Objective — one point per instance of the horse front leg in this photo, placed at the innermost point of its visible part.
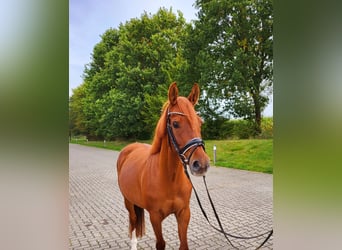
(183, 218)
(156, 221)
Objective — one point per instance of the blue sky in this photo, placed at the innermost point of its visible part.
(89, 19)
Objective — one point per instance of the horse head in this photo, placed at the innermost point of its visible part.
(184, 129)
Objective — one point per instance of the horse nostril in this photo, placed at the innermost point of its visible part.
(196, 165)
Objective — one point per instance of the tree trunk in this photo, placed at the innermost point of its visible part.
(257, 115)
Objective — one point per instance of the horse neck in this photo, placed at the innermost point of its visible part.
(169, 162)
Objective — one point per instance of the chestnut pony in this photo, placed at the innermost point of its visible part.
(152, 177)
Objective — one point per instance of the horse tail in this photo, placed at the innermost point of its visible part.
(140, 222)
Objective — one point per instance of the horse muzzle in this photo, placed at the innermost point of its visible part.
(199, 167)
(196, 157)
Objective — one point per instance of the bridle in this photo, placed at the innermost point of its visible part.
(190, 146)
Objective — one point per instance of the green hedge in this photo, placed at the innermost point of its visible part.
(221, 129)
(236, 129)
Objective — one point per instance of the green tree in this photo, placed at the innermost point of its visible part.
(231, 50)
(85, 108)
(76, 115)
(126, 82)
(96, 75)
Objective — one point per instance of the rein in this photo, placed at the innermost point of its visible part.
(221, 230)
(193, 144)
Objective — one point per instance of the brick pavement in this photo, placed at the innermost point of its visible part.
(99, 220)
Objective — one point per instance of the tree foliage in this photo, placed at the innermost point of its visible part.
(232, 49)
(126, 82)
(228, 50)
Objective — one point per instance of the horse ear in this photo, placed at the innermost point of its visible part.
(173, 93)
(194, 94)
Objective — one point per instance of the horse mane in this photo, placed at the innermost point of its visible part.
(160, 130)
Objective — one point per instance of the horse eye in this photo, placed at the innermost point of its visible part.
(175, 124)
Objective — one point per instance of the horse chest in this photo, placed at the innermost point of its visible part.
(169, 199)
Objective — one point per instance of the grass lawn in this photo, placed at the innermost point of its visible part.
(114, 145)
(253, 155)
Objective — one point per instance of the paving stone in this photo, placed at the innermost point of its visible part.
(99, 220)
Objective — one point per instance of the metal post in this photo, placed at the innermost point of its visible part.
(214, 148)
